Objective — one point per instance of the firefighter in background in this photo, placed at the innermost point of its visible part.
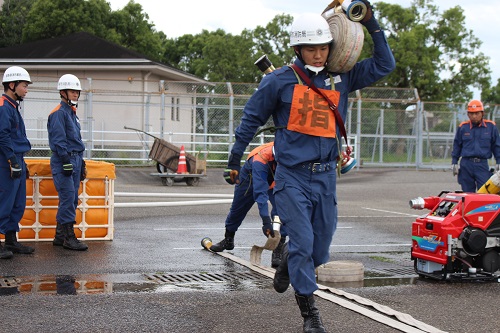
(306, 149)
(13, 170)
(255, 184)
(475, 142)
(66, 162)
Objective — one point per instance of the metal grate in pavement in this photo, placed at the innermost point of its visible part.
(7, 282)
(396, 272)
(203, 277)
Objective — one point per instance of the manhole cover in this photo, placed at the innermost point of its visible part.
(203, 277)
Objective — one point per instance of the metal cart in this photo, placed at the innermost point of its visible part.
(167, 155)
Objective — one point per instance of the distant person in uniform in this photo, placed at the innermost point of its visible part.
(475, 142)
(66, 162)
(13, 170)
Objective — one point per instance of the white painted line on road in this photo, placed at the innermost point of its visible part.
(389, 211)
(372, 216)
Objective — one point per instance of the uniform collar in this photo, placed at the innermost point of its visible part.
(10, 100)
(481, 124)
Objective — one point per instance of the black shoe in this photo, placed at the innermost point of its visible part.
(277, 253)
(308, 310)
(281, 279)
(11, 244)
(5, 254)
(59, 237)
(225, 244)
(70, 240)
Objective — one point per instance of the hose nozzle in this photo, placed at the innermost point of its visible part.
(264, 64)
(355, 10)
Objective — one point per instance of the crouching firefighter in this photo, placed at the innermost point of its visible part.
(254, 183)
(66, 162)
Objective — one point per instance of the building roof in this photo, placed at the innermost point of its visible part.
(84, 49)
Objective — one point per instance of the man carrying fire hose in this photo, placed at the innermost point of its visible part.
(476, 141)
(302, 99)
(255, 184)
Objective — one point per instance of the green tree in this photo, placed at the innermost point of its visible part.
(12, 20)
(273, 40)
(31, 20)
(219, 57)
(215, 56)
(491, 95)
(434, 51)
(54, 18)
(131, 28)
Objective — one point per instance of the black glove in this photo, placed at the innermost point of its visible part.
(369, 20)
(27, 171)
(83, 171)
(67, 169)
(67, 166)
(267, 226)
(232, 171)
(15, 168)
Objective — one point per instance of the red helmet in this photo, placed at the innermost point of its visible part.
(475, 106)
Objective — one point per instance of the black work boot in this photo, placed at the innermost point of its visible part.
(4, 253)
(14, 246)
(59, 237)
(226, 244)
(308, 310)
(281, 279)
(277, 253)
(70, 240)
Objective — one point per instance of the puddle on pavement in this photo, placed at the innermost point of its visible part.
(143, 283)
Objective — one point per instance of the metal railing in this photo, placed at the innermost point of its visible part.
(386, 126)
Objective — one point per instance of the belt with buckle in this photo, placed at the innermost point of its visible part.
(475, 159)
(74, 153)
(318, 166)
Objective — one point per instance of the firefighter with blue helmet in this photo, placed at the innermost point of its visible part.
(307, 147)
(475, 142)
(66, 161)
(14, 144)
(255, 185)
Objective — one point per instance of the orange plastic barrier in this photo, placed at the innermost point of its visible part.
(94, 216)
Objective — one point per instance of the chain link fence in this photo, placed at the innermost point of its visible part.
(386, 126)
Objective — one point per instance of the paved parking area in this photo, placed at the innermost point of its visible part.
(133, 283)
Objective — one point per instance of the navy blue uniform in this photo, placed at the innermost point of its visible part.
(13, 142)
(65, 141)
(475, 144)
(305, 189)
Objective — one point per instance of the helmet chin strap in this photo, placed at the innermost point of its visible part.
(314, 69)
(19, 98)
(69, 101)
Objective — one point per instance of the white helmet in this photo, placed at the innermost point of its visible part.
(310, 29)
(69, 81)
(16, 73)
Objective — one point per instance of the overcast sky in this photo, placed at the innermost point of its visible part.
(176, 18)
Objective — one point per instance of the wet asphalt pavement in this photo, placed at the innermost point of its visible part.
(155, 277)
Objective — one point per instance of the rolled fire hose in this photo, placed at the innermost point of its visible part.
(348, 38)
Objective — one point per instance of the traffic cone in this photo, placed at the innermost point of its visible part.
(181, 167)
